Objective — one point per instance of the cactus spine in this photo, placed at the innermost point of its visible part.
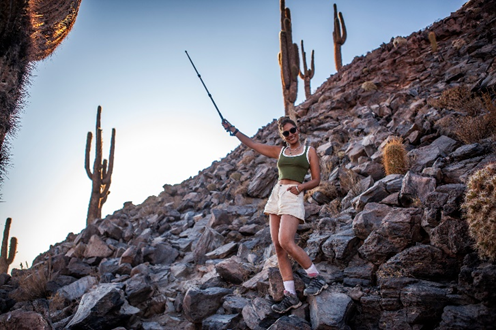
(30, 30)
(307, 74)
(4, 260)
(480, 210)
(289, 62)
(338, 36)
(394, 157)
(102, 174)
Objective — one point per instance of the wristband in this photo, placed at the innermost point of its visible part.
(234, 133)
(297, 189)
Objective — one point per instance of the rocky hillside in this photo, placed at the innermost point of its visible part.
(395, 249)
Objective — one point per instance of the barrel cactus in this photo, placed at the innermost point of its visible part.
(480, 210)
(394, 157)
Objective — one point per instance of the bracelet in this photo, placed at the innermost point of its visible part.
(234, 133)
(297, 189)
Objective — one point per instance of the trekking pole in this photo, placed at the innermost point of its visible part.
(209, 95)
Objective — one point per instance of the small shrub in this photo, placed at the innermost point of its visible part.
(459, 98)
(480, 210)
(33, 283)
(369, 86)
(394, 157)
(477, 120)
(350, 181)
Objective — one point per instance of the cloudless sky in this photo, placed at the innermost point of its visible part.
(128, 57)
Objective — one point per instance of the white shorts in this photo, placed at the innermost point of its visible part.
(282, 201)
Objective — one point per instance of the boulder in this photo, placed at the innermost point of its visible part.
(369, 219)
(290, 322)
(138, 289)
(330, 310)
(23, 320)
(420, 261)
(233, 270)
(262, 183)
(100, 308)
(199, 304)
(78, 288)
(415, 188)
(221, 322)
(258, 314)
(209, 241)
(468, 317)
(399, 229)
(96, 247)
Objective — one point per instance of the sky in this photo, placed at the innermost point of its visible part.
(129, 57)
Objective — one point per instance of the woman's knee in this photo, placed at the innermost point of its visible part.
(288, 245)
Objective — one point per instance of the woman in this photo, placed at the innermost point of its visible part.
(285, 205)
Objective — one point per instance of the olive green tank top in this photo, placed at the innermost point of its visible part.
(293, 167)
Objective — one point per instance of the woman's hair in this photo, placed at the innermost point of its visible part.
(283, 121)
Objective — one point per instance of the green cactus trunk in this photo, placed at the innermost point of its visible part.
(7, 256)
(289, 61)
(307, 74)
(338, 36)
(101, 176)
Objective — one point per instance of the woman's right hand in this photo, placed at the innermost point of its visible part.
(227, 126)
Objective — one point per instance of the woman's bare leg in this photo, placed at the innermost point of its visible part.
(288, 225)
(282, 255)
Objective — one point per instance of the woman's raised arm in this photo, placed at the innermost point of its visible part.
(264, 149)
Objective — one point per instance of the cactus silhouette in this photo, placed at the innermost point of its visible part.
(480, 210)
(307, 74)
(338, 36)
(101, 175)
(29, 31)
(394, 157)
(289, 61)
(5, 260)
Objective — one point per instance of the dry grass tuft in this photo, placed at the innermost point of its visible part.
(33, 283)
(477, 120)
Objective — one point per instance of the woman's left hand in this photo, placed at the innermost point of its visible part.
(294, 190)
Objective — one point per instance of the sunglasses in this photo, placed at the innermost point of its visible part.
(292, 130)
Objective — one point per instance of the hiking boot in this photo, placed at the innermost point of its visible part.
(289, 301)
(316, 285)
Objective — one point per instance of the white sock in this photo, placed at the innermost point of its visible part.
(289, 286)
(312, 271)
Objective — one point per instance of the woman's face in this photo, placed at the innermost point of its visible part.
(290, 133)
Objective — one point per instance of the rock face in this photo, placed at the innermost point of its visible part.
(394, 249)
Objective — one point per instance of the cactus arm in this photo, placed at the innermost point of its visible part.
(4, 260)
(12, 250)
(312, 66)
(342, 38)
(108, 174)
(304, 59)
(87, 155)
(6, 232)
(339, 37)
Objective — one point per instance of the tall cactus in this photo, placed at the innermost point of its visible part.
(338, 36)
(5, 260)
(289, 61)
(102, 174)
(307, 74)
(30, 30)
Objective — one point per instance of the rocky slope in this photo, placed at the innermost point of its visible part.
(395, 248)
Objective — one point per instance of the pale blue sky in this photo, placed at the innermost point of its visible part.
(128, 57)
